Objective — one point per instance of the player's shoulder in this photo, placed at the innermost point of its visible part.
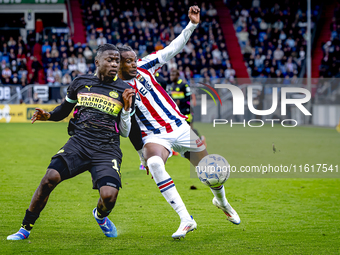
(121, 84)
(85, 78)
(152, 58)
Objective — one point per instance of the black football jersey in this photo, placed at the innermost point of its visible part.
(98, 107)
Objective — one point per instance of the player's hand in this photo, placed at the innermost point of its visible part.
(40, 114)
(127, 97)
(194, 14)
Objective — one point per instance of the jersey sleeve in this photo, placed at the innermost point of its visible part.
(125, 119)
(71, 96)
(157, 59)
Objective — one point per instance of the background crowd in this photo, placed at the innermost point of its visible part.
(272, 39)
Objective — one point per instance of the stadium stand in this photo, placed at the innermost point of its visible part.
(272, 36)
(328, 47)
(148, 29)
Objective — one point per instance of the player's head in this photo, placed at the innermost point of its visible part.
(128, 65)
(174, 75)
(107, 61)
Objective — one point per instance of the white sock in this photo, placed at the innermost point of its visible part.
(167, 186)
(219, 193)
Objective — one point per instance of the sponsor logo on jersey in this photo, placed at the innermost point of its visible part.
(88, 87)
(100, 102)
(114, 94)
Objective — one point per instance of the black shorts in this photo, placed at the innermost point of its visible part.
(100, 160)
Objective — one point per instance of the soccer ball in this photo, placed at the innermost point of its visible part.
(213, 170)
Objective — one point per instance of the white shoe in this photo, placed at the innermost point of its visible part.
(185, 227)
(232, 215)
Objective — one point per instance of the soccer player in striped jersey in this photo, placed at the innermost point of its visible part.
(164, 127)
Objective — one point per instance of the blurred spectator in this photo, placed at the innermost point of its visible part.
(81, 66)
(6, 72)
(66, 79)
(46, 47)
(50, 79)
(101, 40)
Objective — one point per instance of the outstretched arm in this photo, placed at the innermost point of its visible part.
(59, 113)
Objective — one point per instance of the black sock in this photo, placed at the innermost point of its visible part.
(102, 214)
(29, 220)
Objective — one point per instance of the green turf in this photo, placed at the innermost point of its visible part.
(279, 215)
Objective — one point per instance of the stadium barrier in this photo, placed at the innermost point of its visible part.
(22, 113)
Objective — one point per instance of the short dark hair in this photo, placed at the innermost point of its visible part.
(124, 48)
(105, 47)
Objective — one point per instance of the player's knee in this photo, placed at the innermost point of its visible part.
(50, 180)
(155, 163)
(108, 195)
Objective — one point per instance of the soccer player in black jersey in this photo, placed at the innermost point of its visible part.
(103, 105)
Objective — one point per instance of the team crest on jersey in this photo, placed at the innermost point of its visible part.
(113, 94)
(144, 82)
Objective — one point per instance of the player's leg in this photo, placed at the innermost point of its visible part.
(219, 200)
(106, 202)
(195, 150)
(64, 165)
(156, 156)
(56, 170)
(105, 173)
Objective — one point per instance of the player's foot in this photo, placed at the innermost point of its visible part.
(20, 235)
(232, 215)
(184, 227)
(141, 167)
(109, 229)
(204, 141)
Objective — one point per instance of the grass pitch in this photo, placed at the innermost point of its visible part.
(279, 215)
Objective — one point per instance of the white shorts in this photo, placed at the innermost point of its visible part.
(182, 139)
